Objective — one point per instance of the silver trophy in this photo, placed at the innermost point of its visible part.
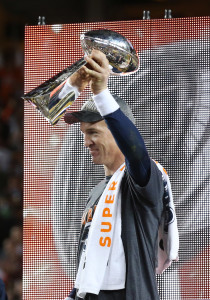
(122, 58)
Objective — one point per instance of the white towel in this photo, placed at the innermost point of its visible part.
(168, 236)
(104, 239)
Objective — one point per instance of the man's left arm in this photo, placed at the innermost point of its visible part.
(127, 137)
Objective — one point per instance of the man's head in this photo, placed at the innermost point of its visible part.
(97, 136)
(102, 146)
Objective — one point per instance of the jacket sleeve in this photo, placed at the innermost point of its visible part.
(127, 137)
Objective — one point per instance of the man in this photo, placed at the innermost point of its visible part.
(117, 252)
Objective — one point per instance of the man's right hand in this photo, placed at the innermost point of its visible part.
(80, 79)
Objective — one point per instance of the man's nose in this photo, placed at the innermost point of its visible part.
(87, 141)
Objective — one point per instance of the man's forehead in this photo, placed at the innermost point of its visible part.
(97, 125)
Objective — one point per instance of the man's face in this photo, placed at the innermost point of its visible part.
(100, 142)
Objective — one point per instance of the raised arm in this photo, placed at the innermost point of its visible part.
(132, 146)
(126, 136)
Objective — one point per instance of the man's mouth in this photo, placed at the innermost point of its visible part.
(93, 151)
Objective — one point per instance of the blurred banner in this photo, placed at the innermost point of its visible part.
(170, 98)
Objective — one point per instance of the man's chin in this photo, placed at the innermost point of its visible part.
(96, 160)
